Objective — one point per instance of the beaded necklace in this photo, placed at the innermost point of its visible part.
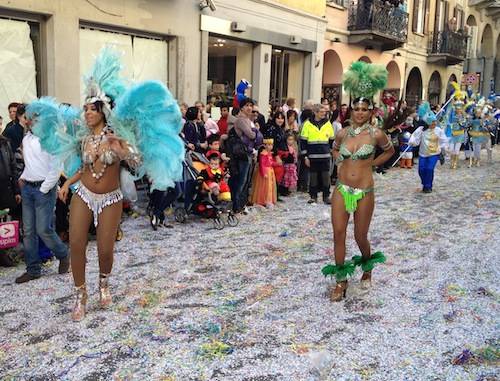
(95, 142)
(352, 132)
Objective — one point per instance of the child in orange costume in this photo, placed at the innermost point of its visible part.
(213, 178)
(264, 182)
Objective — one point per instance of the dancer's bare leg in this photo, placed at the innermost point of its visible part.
(80, 218)
(109, 219)
(362, 219)
(340, 219)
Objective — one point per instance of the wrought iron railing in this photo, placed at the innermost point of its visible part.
(448, 42)
(378, 16)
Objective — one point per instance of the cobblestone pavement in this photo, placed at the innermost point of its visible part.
(249, 302)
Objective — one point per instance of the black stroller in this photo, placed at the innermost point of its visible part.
(198, 201)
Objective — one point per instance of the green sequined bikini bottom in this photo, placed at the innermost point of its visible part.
(352, 195)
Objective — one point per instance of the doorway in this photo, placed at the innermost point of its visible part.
(286, 76)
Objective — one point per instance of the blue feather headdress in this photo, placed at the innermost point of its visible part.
(425, 113)
(103, 83)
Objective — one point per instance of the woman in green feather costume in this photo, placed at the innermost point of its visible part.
(354, 152)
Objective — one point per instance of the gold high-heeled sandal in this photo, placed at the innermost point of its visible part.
(339, 292)
(104, 293)
(80, 306)
(366, 280)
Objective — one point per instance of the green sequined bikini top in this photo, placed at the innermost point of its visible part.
(363, 152)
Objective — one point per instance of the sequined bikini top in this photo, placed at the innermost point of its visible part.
(362, 153)
(107, 156)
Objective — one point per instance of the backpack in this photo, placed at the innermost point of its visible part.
(236, 149)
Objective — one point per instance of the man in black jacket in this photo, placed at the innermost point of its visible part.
(13, 130)
(9, 190)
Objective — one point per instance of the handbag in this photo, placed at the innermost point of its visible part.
(9, 234)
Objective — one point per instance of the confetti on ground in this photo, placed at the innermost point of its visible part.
(250, 303)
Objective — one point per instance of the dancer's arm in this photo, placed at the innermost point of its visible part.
(416, 137)
(336, 144)
(64, 191)
(385, 144)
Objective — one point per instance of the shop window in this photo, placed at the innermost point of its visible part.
(229, 61)
(142, 58)
(20, 63)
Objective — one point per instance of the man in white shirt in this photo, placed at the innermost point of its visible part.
(38, 190)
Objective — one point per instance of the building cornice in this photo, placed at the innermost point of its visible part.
(275, 5)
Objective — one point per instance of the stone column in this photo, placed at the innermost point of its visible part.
(204, 66)
(261, 75)
(63, 57)
(487, 75)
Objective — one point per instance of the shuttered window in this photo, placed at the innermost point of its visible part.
(419, 14)
(414, 25)
(142, 58)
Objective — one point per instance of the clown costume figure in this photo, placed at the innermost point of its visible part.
(458, 124)
(432, 142)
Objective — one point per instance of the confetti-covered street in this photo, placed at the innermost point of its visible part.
(250, 303)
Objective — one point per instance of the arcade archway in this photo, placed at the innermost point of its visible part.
(414, 87)
(332, 76)
(434, 89)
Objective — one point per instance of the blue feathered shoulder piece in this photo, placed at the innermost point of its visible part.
(148, 117)
(59, 129)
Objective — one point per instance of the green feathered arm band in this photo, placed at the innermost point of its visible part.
(369, 264)
(341, 272)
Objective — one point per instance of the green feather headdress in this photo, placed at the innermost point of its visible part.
(364, 79)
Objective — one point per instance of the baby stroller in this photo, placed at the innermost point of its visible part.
(199, 201)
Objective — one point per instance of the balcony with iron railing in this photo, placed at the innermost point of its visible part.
(447, 47)
(377, 24)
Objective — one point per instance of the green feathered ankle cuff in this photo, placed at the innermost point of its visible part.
(341, 272)
(369, 264)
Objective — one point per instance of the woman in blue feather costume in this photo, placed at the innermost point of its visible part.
(137, 128)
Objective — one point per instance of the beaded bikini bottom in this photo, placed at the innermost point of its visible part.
(352, 195)
(98, 201)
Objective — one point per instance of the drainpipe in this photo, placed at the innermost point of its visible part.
(481, 81)
(403, 93)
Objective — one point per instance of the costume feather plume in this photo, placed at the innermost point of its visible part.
(59, 130)
(104, 79)
(365, 80)
(369, 264)
(423, 110)
(457, 94)
(149, 118)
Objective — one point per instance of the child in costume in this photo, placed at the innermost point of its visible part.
(432, 141)
(479, 135)
(406, 151)
(489, 123)
(214, 145)
(290, 158)
(146, 124)
(264, 182)
(354, 151)
(213, 177)
(458, 125)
